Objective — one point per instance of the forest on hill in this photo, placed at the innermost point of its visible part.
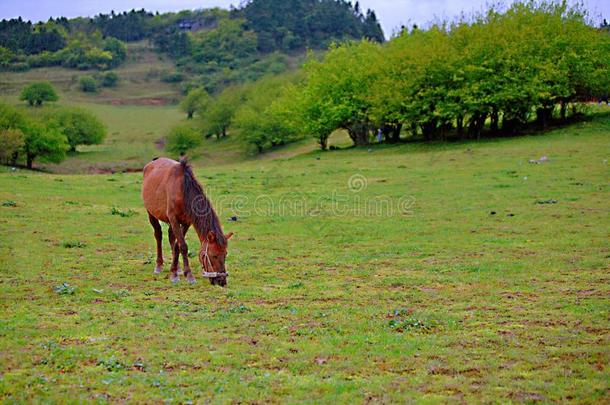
(214, 47)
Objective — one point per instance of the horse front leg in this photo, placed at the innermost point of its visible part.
(159, 237)
(175, 267)
(177, 229)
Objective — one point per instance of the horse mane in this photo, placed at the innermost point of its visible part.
(197, 206)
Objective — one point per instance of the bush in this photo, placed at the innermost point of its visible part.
(171, 77)
(109, 79)
(37, 93)
(88, 84)
(182, 138)
(79, 126)
(11, 141)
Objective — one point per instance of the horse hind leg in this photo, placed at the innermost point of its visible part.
(159, 237)
(173, 243)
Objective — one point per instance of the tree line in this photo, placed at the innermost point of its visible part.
(57, 42)
(492, 74)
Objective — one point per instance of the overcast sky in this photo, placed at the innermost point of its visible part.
(391, 13)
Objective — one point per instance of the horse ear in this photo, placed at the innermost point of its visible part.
(211, 236)
(229, 235)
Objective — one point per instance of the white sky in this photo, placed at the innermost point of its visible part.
(391, 13)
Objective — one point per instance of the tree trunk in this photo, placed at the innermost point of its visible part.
(563, 110)
(413, 129)
(189, 115)
(359, 133)
(429, 129)
(543, 116)
(323, 141)
(396, 133)
(475, 126)
(391, 132)
(460, 126)
(30, 161)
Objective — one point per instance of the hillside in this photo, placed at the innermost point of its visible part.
(211, 47)
(139, 80)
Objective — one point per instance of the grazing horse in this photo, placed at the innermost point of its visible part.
(172, 194)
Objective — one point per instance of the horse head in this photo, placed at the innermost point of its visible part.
(212, 256)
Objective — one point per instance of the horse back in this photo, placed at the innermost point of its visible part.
(162, 189)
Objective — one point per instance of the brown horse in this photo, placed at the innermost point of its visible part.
(172, 194)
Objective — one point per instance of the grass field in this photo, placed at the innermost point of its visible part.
(451, 272)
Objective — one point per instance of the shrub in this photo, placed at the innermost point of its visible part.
(109, 79)
(79, 126)
(182, 138)
(11, 141)
(171, 77)
(37, 93)
(88, 84)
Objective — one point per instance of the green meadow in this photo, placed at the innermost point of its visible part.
(425, 273)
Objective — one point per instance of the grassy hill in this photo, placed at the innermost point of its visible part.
(139, 81)
(434, 273)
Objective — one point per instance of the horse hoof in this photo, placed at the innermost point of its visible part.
(175, 279)
(190, 280)
(158, 270)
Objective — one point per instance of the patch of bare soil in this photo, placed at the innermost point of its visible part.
(148, 101)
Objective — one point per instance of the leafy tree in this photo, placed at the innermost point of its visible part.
(117, 49)
(194, 101)
(258, 121)
(37, 93)
(44, 142)
(217, 115)
(79, 126)
(181, 139)
(337, 92)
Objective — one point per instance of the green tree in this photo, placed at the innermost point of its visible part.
(181, 139)
(79, 126)
(217, 115)
(261, 123)
(44, 142)
(37, 93)
(194, 101)
(337, 92)
(117, 49)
